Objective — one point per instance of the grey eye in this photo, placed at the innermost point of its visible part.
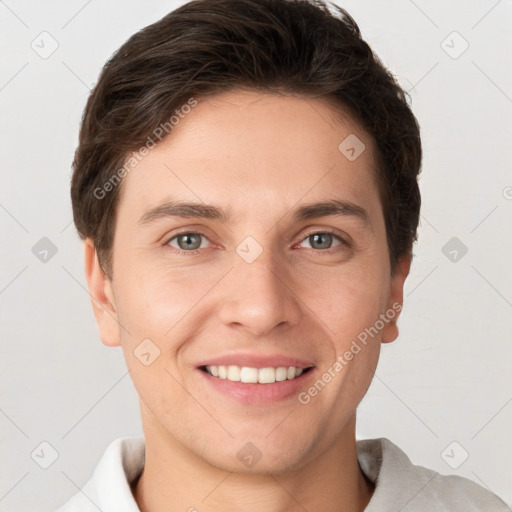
(322, 240)
(187, 241)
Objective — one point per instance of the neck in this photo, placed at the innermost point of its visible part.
(175, 480)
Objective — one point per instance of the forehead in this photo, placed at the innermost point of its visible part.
(255, 150)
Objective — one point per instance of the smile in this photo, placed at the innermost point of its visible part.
(249, 375)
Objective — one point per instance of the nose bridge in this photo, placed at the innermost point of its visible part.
(259, 296)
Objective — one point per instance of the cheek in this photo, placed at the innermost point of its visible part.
(153, 310)
(155, 304)
(347, 300)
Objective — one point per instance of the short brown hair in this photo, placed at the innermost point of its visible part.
(297, 46)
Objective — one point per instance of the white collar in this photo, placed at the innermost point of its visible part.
(398, 483)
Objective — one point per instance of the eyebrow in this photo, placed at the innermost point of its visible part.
(331, 207)
(185, 210)
(205, 211)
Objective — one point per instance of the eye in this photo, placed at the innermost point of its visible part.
(188, 242)
(323, 240)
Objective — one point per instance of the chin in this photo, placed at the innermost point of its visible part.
(267, 453)
(266, 461)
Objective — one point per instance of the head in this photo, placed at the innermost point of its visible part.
(301, 155)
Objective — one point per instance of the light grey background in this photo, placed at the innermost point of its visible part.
(447, 378)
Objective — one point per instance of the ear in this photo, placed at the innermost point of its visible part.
(396, 298)
(102, 297)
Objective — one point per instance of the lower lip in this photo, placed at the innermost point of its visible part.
(255, 394)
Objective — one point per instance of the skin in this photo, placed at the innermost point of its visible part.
(257, 156)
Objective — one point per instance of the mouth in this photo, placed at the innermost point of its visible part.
(249, 385)
(252, 375)
(252, 378)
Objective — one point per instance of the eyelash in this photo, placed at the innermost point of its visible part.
(331, 250)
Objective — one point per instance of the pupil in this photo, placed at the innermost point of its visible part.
(322, 240)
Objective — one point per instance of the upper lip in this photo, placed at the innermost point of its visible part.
(256, 361)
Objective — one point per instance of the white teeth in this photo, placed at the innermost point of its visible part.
(254, 375)
(281, 373)
(234, 373)
(266, 375)
(249, 375)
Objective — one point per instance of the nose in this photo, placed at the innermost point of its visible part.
(259, 296)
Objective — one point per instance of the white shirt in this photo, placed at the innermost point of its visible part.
(399, 485)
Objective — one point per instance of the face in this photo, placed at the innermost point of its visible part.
(248, 243)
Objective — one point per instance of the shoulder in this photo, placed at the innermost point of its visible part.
(109, 486)
(401, 485)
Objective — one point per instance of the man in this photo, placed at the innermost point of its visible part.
(246, 188)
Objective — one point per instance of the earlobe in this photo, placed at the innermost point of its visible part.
(102, 297)
(395, 303)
